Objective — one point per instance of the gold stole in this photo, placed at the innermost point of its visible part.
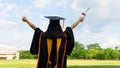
(49, 47)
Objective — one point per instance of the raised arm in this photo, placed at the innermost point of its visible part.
(77, 22)
(81, 19)
(28, 22)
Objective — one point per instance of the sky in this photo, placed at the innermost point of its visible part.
(101, 25)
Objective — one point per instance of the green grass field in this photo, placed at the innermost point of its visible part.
(70, 63)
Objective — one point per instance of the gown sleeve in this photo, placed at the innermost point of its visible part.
(70, 40)
(35, 41)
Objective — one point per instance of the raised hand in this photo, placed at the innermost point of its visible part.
(81, 19)
(24, 19)
(28, 22)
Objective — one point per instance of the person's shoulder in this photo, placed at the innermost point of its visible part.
(38, 29)
(68, 29)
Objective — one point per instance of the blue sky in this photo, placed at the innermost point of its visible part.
(101, 25)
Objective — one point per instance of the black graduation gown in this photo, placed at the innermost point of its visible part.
(66, 46)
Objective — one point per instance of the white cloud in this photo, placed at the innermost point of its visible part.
(74, 6)
(107, 3)
(107, 37)
(109, 41)
(27, 12)
(6, 23)
(99, 25)
(15, 39)
(100, 8)
(41, 3)
(6, 9)
(6, 26)
(113, 41)
(86, 30)
(1, 5)
(62, 3)
(117, 2)
(103, 3)
(4, 14)
(87, 37)
(10, 7)
(102, 13)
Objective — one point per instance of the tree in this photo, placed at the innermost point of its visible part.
(25, 54)
(91, 53)
(100, 55)
(78, 46)
(115, 54)
(79, 54)
(107, 53)
(93, 46)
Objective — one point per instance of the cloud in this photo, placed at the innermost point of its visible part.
(113, 40)
(87, 37)
(100, 8)
(102, 13)
(10, 7)
(101, 24)
(1, 5)
(108, 35)
(5, 22)
(62, 3)
(74, 6)
(104, 3)
(41, 3)
(6, 9)
(6, 25)
(15, 39)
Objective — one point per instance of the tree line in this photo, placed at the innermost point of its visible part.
(92, 51)
(25, 54)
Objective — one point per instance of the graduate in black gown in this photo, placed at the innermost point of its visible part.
(54, 45)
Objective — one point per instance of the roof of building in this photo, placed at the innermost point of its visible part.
(7, 49)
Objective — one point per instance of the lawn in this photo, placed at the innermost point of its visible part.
(70, 64)
(93, 63)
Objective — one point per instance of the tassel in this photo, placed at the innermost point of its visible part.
(63, 24)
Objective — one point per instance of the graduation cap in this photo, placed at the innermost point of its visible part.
(56, 18)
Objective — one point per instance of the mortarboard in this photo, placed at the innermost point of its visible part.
(56, 18)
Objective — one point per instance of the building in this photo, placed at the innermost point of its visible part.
(117, 47)
(8, 53)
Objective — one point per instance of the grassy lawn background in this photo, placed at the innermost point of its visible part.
(70, 63)
(93, 63)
